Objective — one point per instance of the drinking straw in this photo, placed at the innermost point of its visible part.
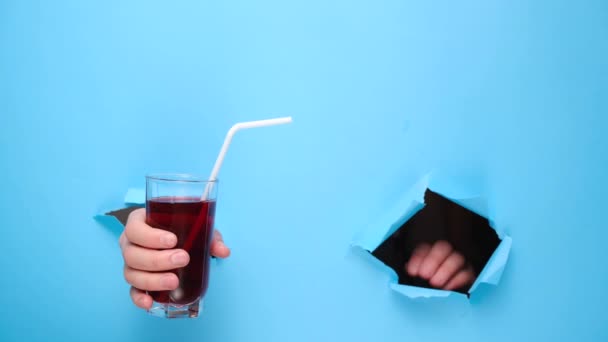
(218, 164)
(231, 132)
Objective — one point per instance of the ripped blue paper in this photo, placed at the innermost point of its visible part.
(407, 206)
(110, 222)
(492, 273)
(115, 218)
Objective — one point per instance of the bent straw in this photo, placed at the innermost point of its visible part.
(237, 127)
(218, 164)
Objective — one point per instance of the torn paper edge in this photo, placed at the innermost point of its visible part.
(111, 222)
(374, 234)
(133, 197)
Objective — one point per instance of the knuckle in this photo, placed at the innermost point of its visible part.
(125, 253)
(426, 271)
(436, 281)
(128, 275)
(128, 255)
(128, 232)
(134, 213)
(443, 246)
(457, 259)
(132, 222)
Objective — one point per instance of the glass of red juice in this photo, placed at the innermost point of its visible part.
(184, 205)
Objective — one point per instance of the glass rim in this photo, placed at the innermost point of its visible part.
(179, 177)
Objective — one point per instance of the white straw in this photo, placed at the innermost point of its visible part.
(228, 139)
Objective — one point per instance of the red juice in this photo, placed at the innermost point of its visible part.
(191, 220)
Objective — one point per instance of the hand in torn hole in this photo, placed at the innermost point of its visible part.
(441, 265)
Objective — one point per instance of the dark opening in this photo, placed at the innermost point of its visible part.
(123, 214)
(444, 235)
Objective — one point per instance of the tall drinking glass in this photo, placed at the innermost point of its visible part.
(174, 203)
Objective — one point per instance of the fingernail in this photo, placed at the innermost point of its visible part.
(167, 282)
(179, 258)
(168, 240)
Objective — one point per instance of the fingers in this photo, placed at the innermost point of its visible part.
(413, 265)
(141, 299)
(139, 233)
(148, 252)
(150, 281)
(439, 252)
(454, 263)
(218, 248)
(152, 260)
(462, 278)
(441, 266)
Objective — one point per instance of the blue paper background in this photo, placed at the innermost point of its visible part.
(508, 97)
